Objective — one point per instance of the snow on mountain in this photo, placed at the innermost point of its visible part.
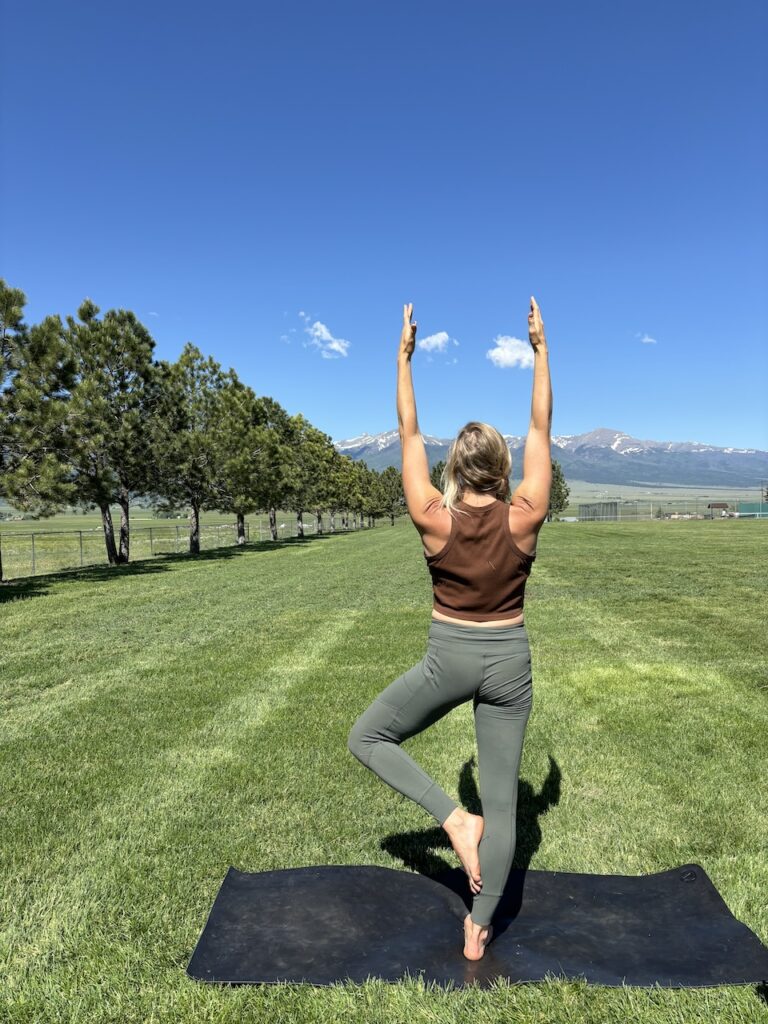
(602, 455)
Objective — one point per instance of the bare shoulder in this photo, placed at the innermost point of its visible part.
(435, 527)
(524, 525)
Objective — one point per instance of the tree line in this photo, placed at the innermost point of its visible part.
(90, 419)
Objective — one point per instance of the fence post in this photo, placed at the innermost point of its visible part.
(33, 554)
(151, 547)
(81, 548)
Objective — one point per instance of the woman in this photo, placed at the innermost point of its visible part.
(479, 549)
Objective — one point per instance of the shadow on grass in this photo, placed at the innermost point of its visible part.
(420, 850)
(37, 586)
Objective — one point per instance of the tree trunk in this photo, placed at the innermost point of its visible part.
(124, 501)
(109, 534)
(391, 518)
(273, 522)
(319, 527)
(194, 530)
(240, 528)
(299, 524)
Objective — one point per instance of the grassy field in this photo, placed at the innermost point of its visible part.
(166, 719)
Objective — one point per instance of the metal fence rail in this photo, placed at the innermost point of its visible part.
(38, 552)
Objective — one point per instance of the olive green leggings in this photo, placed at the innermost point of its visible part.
(492, 666)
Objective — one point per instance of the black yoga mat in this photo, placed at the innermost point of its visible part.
(330, 924)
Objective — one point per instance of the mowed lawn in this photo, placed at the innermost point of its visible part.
(165, 720)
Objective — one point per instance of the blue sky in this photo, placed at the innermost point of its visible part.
(273, 181)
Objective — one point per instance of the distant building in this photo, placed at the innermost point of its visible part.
(753, 509)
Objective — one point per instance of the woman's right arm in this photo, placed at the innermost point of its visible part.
(541, 402)
(534, 492)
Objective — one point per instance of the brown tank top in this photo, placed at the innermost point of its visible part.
(480, 573)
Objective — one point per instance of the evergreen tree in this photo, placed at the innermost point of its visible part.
(278, 469)
(348, 491)
(33, 414)
(436, 474)
(343, 485)
(185, 435)
(311, 463)
(392, 493)
(328, 489)
(252, 455)
(105, 436)
(369, 500)
(12, 327)
(558, 495)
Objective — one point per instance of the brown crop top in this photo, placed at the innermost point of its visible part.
(480, 573)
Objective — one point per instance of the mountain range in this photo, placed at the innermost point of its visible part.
(601, 456)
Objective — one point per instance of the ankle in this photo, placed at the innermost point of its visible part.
(458, 816)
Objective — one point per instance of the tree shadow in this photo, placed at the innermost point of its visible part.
(419, 850)
(21, 587)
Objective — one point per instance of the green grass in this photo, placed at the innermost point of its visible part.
(166, 719)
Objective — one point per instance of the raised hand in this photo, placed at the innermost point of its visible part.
(536, 327)
(408, 337)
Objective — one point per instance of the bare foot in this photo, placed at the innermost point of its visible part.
(465, 831)
(476, 938)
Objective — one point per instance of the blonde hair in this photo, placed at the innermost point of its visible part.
(478, 458)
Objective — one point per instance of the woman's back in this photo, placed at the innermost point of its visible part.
(480, 573)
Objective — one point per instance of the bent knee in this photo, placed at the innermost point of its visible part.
(358, 741)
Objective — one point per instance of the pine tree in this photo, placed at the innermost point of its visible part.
(279, 469)
(314, 484)
(436, 474)
(33, 412)
(393, 495)
(106, 441)
(252, 454)
(311, 462)
(558, 495)
(12, 327)
(184, 435)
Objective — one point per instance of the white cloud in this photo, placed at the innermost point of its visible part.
(153, 313)
(434, 342)
(509, 351)
(646, 339)
(321, 337)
